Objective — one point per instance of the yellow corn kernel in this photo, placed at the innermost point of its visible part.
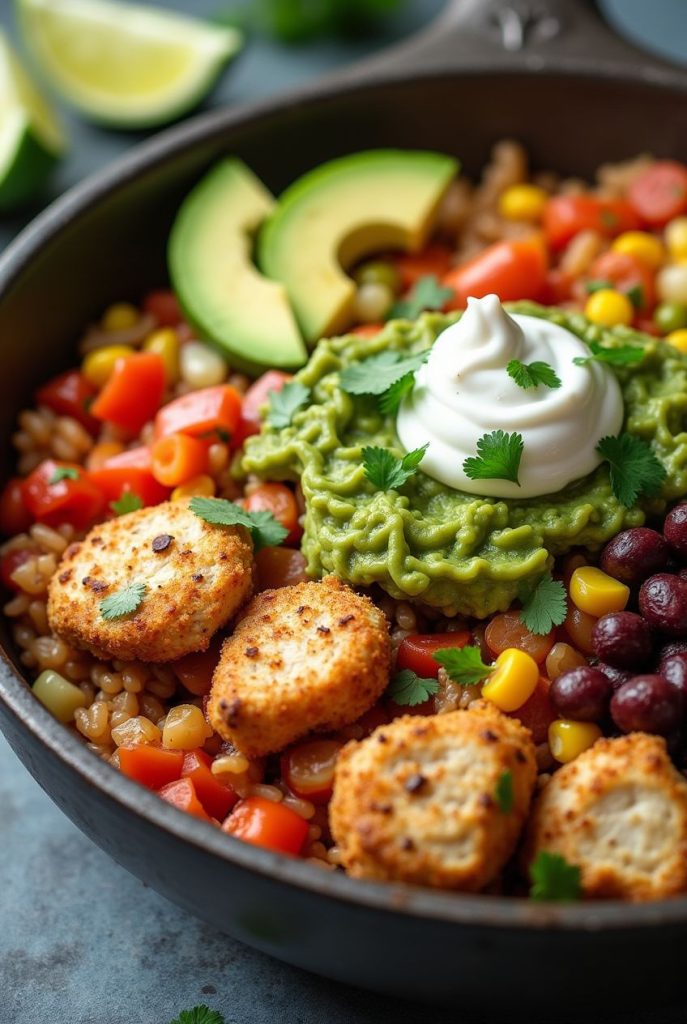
(165, 343)
(58, 695)
(678, 339)
(120, 317)
(512, 681)
(98, 365)
(202, 486)
(645, 248)
(567, 739)
(609, 308)
(675, 235)
(596, 593)
(522, 202)
(185, 728)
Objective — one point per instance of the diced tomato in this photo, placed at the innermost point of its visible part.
(11, 561)
(508, 630)
(216, 797)
(280, 567)
(164, 306)
(151, 765)
(113, 481)
(308, 769)
(280, 501)
(565, 216)
(537, 713)
(660, 193)
(268, 824)
(212, 411)
(417, 651)
(366, 330)
(133, 392)
(434, 259)
(14, 517)
(624, 273)
(76, 501)
(196, 670)
(182, 794)
(70, 394)
(511, 270)
(557, 288)
(255, 397)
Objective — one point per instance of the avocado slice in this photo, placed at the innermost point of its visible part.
(338, 213)
(221, 292)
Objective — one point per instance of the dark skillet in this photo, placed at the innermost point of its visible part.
(576, 97)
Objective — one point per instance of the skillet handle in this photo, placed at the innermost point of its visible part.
(518, 35)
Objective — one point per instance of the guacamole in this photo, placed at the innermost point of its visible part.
(455, 551)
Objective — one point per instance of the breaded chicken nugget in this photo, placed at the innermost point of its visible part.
(619, 811)
(195, 575)
(434, 800)
(311, 657)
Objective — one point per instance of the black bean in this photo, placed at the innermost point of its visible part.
(675, 529)
(663, 603)
(617, 676)
(623, 639)
(582, 693)
(647, 704)
(634, 554)
(674, 669)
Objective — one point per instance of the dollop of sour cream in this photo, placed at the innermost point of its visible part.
(464, 391)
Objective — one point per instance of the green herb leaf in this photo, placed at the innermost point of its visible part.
(64, 473)
(503, 793)
(636, 296)
(426, 293)
(543, 606)
(634, 469)
(128, 502)
(284, 403)
(122, 602)
(408, 689)
(385, 471)
(597, 286)
(393, 396)
(377, 374)
(553, 878)
(199, 1015)
(498, 457)
(531, 375)
(264, 529)
(623, 355)
(464, 665)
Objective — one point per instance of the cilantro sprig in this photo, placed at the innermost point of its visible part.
(634, 469)
(387, 375)
(621, 355)
(463, 665)
(503, 794)
(408, 689)
(286, 402)
(385, 471)
(123, 602)
(127, 502)
(554, 878)
(64, 473)
(498, 457)
(532, 375)
(543, 605)
(199, 1015)
(426, 293)
(264, 529)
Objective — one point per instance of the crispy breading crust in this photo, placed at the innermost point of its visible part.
(619, 811)
(195, 582)
(415, 801)
(310, 657)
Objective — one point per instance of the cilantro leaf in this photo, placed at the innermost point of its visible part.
(264, 529)
(634, 469)
(199, 1015)
(127, 502)
(543, 606)
(464, 665)
(122, 602)
(498, 457)
(385, 471)
(64, 473)
(393, 396)
(377, 374)
(597, 286)
(553, 878)
(426, 293)
(285, 403)
(531, 375)
(623, 355)
(408, 689)
(503, 793)
(636, 296)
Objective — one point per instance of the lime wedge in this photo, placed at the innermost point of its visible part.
(125, 65)
(30, 137)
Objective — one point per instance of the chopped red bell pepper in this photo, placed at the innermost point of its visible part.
(133, 393)
(512, 270)
(114, 481)
(211, 411)
(70, 394)
(151, 765)
(73, 499)
(182, 794)
(268, 824)
(217, 797)
(566, 216)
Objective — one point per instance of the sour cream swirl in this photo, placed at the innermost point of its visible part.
(463, 391)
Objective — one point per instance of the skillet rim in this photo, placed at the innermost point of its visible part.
(471, 910)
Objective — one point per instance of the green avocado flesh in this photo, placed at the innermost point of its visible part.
(455, 551)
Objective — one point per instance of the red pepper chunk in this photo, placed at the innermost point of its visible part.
(150, 765)
(214, 410)
(182, 794)
(417, 651)
(70, 394)
(660, 193)
(511, 270)
(268, 824)
(76, 500)
(114, 481)
(255, 398)
(133, 393)
(565, 216)
(216, 797)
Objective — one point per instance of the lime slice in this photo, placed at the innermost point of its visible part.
(128, 66)
(30, 137)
